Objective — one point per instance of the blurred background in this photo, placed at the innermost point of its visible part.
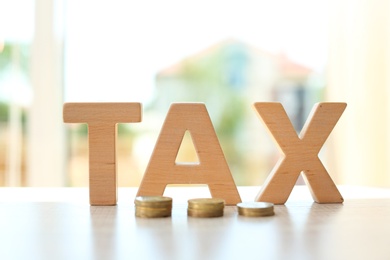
(227, 54)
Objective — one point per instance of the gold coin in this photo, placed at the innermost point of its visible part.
(153, 201)
(152, 212)
(205, 207)
(139, 208)
(153, 206)
(255, 214)
(255, 209)
(204, 213)
(206, 204)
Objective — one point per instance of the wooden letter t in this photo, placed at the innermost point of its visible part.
(102, 119)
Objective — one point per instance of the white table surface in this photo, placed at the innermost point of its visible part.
(58, 223)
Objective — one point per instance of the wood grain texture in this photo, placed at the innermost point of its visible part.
(300, 152)
(102, 119)
(212, 169)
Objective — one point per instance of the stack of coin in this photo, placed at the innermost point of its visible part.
(255, 209)
(205, 208)
(153, 206)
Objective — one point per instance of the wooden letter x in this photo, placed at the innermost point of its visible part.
(102, 119)
(300, 153)
(212, 168)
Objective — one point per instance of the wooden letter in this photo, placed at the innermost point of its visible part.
(212, 168)
(300, 153)
(102, 119)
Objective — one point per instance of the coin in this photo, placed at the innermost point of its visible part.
(255, 209)
(144, 212)
(153, 201)
(206, 203)
(205, 207)
(153, 206)
(204, 213)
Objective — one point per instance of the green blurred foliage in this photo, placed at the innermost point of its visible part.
(19, 53)
(4, 111)
(13, 54)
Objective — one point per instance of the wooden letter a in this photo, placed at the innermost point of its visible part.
(300, 153)
(212, 168)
